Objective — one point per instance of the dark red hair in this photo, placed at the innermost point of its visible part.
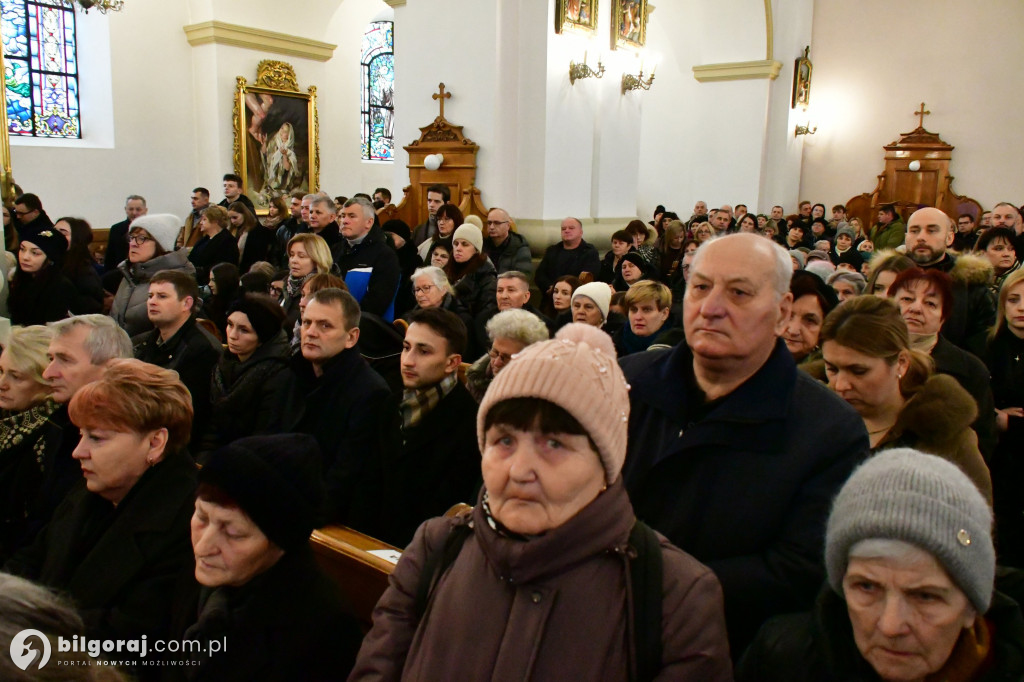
(936, 281)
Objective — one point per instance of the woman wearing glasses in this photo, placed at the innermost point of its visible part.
(150, 249)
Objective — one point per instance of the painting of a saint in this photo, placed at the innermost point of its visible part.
(629, 28)
(576, 15)
(275, 122)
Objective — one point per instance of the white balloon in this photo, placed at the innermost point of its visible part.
(915, 165)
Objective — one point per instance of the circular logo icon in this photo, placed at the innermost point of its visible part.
(23, 654)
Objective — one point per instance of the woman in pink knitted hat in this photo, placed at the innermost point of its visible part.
(549, 576)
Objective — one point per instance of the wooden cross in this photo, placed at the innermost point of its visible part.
(441, 95)
(921, 113)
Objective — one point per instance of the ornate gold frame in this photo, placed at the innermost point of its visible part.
(621, 42)
(564, 23)
(276, 79)
(802, 80)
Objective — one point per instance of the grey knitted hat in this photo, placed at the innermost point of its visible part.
(799, 256)
(926, 501)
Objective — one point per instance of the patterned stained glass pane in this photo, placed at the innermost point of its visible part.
(378, 91)
(41, 68)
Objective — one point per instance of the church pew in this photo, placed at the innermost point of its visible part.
(344, 555)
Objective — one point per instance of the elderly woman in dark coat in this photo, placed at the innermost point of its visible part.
(910, 592)
(548, 556)
(257, 586)
(253, 388)
(117, 544)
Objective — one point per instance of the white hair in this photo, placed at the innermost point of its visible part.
(106, 340)
(436, 276)
(517, 325)
(783, 271)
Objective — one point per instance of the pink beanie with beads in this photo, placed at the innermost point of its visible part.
(577, 370)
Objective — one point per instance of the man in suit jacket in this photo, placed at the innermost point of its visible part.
(117, 240)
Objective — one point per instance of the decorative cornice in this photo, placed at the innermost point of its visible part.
(395, 3)
(769, 28)
(735, 71)
(222, 33)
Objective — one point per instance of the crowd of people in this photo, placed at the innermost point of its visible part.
(735, 446)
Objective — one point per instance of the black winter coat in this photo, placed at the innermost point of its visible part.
(36, 471)
(974, 306)
(119, 564)
(259, 245)
(514, 254)
(286, 624)
(374, 269)
(89, 292)
(350, 411)
(819, 646)
(1006, 362)
(559, 261)
(745, 483)
(209, 251)
(436, 465)
(193, 353)
(117, 245)
(971, 373)
(40, 298)
(252, 397)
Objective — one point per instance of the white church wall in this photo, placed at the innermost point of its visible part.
(875, 61)
(154, 126)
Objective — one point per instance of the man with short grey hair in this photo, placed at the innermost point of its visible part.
(79, 351)
(323, 216)
(117, 239)
(368, 264)
(509, 332)
(734, 454)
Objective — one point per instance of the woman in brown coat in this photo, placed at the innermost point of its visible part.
(542, 579)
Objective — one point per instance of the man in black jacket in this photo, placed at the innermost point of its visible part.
(233, 192)
(117, 239)
(929, 233)
(177, 342)
(571, 256)
(367, 263)
(507, 250)
(438, 463)
(733, 454)
(348, 407)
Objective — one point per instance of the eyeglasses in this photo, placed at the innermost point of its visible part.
(495, 223)
(139, 239)
(504, 357)
(423, 289)
(276, 291)
(22, 213)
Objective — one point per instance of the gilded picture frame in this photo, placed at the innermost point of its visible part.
(802, 80)
(578, 16)
(277, 148)
(629, 24)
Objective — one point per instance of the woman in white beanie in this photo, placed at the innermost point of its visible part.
(151, 241)
(550, 576)
(474, 278)
(910, 594)
(590, 303)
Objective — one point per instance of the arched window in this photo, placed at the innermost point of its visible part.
(40, 68)
(378, 84)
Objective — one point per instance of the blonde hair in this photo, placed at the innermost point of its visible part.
(317, 249)
(648, 290)
(26, 350)
(1010, 282)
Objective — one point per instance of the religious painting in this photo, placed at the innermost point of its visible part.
(276, 148)
(802, 80)
(629, 23)
(576, 15)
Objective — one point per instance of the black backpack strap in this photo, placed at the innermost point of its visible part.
(437, 563)
(646, 577)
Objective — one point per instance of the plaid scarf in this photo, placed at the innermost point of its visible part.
(417, 403)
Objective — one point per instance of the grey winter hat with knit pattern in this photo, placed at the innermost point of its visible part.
(923, 500)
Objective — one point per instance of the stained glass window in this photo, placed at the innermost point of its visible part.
(40, 68)
(378, 83)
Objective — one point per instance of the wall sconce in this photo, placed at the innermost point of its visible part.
(805, 129)
(433, 161)
(637, 82)
(579, 71)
